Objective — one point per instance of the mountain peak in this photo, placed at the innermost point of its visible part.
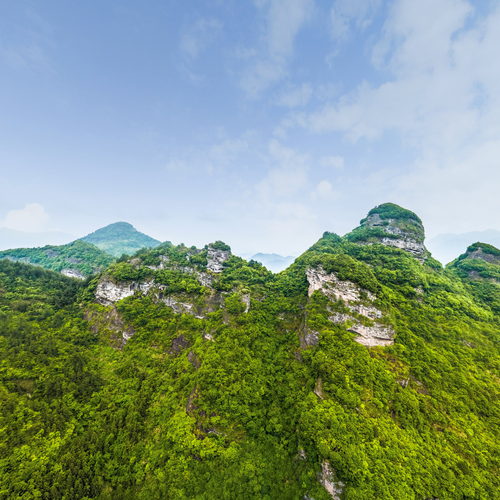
(393, 211)
(119, 224)
(394, 226)
(120, 238)
(482, 251)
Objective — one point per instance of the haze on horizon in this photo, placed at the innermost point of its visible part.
(260, 123)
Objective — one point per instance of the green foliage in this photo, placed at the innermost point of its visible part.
(141, 400)
(120, 238)
(393, 211)
(220, 245)
(33, 291)
(78, 255)
(125, 271)
(479, 269)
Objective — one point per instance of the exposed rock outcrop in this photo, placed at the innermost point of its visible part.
(110, 321)
(329, 482)
(362, 317)
(482, 251)
(309, 338)
(216, 258)
(162, 265)
(394, 226)
(73, 273)
(108, 292)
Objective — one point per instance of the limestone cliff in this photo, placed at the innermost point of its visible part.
(358, 313)
(394, 226)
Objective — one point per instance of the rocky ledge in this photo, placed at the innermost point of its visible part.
(394, 226)
(360, 315)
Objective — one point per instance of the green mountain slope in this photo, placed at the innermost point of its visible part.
(88, 255)
(77, 259)
(364, 370)
(479, 269)
(120, 238)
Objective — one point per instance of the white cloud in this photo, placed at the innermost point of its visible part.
(336, 162)
(349, 14)
(31, 218)
(289, 175)
(296, 96)
(323, 190)
(284, 20)
(197, 37)
(440, 101)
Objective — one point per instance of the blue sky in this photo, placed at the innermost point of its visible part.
(262, 123)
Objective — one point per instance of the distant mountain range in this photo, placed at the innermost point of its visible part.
(87, 255)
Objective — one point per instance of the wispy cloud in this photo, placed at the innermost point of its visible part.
(440, 97)
(296, 96)
(283, 21)
(31, 218)
(196, 38)
(27, 46)
(350, 15)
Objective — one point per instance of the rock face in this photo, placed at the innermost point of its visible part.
(361, 316)
(162, 265)
(393, 226)
(112, 322)
(108, 292)
(72, 273)
(216, 259)
(327, 479)
(483, 251)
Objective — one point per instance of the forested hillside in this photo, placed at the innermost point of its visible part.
(88, 255)
(365, 370)
(120, 238)
(77, 259)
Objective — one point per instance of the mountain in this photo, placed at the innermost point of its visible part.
(77, 259)
(120, 238)
(364, 370)
(479, 268)
(445, 247)
(88, 255)
(273, 261)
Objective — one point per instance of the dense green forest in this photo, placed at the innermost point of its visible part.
(363, 371)
(120, 238)
(88, 255)
(78, 258)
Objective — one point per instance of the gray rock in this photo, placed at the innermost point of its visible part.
(216, 259)
(358, 301)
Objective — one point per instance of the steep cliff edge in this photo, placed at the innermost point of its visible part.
(391, 225)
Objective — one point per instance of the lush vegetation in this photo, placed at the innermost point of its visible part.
(120, 238)
(479, 268)
(79, 256)
(388, 221)
(220, 399)
(393, 211)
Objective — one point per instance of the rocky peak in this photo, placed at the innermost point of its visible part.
(394, 226)
(483, 251)
(217, 254)
(480, 262)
